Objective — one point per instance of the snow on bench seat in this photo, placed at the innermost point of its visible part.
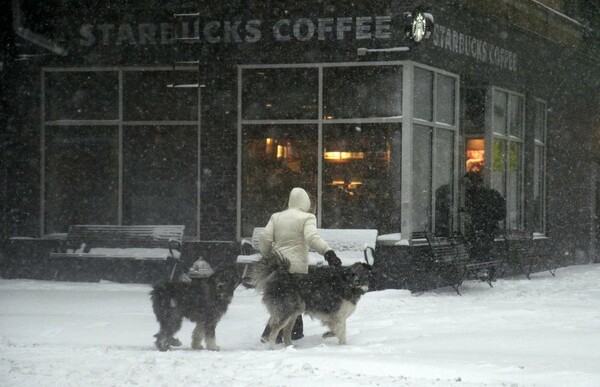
(350, 245)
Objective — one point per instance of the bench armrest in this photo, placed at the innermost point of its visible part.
(372, 254)
(174, 244)
(246, 247)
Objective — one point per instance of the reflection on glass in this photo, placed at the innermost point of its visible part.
(443, 181)
(445, 99)
(160, 170)
(275, 159)
(280, 93)
(423, 99)
(498, 176)
(148, 97)
(513, 202)
(361, 176)
(540, 121)
(84, 95)
(516, 115)
(81, 176)
(500, 103)
(362, 92)
(422, 159)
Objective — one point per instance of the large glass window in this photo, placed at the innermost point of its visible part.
(356, 142)
(434, 144)
(539, 168)
(82, 95)
(433, 188)
(81, 176)
(160, 167)
(361, 176)
(120, 161)
(276, 159)
(507, 152)
(362, 92)
(160, 96)
(279, 93)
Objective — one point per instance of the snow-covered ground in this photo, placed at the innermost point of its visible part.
(543, 332)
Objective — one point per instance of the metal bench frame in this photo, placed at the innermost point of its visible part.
(450, 259)
(521, 252)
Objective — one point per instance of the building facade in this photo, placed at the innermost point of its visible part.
(207, 114)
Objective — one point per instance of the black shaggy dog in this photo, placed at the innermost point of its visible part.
(327, 293)
(203, 301)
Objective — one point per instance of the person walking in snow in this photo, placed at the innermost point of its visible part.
(291, 233)
(486, 208)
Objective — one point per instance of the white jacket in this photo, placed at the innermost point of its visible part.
(292, 232)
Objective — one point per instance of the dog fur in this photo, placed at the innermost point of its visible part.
(329, 294)
(203, 301)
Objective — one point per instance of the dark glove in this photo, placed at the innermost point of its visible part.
(332, 259)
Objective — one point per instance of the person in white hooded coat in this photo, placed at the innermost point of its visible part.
(291, 233)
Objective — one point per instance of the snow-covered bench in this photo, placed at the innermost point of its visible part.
(350, 245)
(157, 243)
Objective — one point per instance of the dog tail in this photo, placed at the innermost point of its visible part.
(264, 270)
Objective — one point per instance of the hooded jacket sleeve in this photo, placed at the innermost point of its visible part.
(312, 237)
(265, 242)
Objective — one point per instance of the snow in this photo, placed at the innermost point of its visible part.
(543, 332)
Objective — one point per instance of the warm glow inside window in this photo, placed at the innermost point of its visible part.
(337, 156)
(475, 155)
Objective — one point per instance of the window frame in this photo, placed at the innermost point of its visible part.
(408, 130)
(406, 119)
(491, 135)
(119, 122)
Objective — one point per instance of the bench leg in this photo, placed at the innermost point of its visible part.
(173, 271)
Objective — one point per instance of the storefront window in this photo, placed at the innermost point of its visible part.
(81, 176)
(423, 94)
(433, 178)
(434, 155)
(160, 168)
(445, 104)
(160, 96)
(145, 144)
(362, 92)
(276, 159)
(360, 132)
(280, 93)
(500, 103)
(361, 176)
(89, 95)
(507, 152)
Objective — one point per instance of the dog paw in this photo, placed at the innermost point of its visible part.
(196, 345)
(213, 348)
(175, 342)
(162, 344)
(328, 334)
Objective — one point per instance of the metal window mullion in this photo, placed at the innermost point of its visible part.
(120, 150)
(320, 148)
(199, 155)
(433, 154)
(42, 154)
(456, 159)
(238, 226)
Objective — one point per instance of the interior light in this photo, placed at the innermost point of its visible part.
(337, 156)
(475, 156)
